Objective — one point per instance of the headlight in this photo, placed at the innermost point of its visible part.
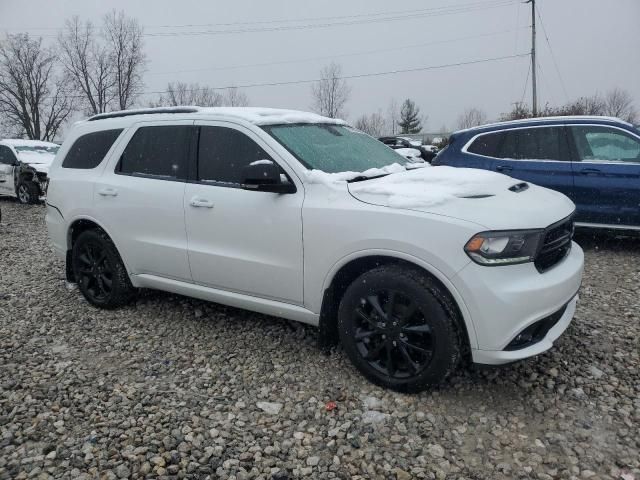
(504, 247)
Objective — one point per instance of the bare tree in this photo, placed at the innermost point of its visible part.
(619, 103)
(373, 124)
(124, 40)
(87, 62)
(471, 117)
(331, 92)
(593, 105)
(393, 115)
(32, 94)
(235, 97)
(180, 93)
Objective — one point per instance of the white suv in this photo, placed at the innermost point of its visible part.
(303, 217)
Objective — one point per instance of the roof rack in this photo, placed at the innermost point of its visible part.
(143, 111)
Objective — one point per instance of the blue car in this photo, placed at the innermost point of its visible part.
(595, 161)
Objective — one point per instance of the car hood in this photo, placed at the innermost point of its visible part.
(491, 200)
(39, 161)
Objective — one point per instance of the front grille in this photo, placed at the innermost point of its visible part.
(536, 331)
(556, 245)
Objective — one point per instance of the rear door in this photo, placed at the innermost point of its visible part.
(607, 175)
(7, 165)
(140, 199)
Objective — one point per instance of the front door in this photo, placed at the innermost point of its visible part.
(607, 175)
(243, 241)
(7, 165)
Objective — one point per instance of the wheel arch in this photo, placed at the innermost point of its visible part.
(76, 227)
(344, 272)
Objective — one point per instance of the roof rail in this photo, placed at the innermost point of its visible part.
(142, 111)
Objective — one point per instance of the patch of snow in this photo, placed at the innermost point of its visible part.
(261, 162)
(426, 187)
(270, 116)
(318, 176)
(18, 142)
(408, 152)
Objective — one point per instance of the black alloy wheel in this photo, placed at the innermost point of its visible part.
(98, 269)
(400, 328)
(392, 334)
(94, 272)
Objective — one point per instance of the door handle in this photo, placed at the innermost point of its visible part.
(590, 171)
(201, 202)
(108, 192)
(504, 168)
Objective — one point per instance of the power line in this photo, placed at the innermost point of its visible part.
(342, 77)
(553, 57)
(526, 81)
(351, 20)
(356, 76)
(342, 55)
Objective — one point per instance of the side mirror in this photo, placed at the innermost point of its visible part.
(265, 176)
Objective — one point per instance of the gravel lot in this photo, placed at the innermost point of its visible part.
(175, 387)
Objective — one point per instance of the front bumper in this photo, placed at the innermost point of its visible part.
(498, 357)
(504, 301)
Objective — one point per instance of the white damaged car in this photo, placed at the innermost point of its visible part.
(411, 268)
(24, 168)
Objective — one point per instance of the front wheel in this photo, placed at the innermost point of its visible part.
(398, 328)
(28, 193)
(102, 277)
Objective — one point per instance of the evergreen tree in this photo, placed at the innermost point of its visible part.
(410, 117)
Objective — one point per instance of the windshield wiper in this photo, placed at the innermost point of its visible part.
(361, 178)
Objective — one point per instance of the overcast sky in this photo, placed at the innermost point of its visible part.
(596, 45)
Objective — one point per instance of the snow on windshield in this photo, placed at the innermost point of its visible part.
(426, 187)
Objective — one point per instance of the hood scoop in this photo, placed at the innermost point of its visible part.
(519, 187)
(486, 195)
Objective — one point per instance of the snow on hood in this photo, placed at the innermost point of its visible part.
(431, 186)
(469, 194)
(40, 161)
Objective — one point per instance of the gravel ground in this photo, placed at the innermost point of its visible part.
(181, 388)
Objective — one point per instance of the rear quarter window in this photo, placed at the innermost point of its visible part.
(89, 150)
(486, 145)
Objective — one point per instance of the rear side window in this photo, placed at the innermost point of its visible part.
(548, 143)
(486, 145)
(224, 152)
(159, 152)
(89, 150)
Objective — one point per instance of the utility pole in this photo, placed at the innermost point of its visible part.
(534, 106)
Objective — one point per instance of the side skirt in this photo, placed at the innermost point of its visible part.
(232, 299)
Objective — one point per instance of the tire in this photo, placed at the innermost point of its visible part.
(28, 193)
(97, 267)
(415, 347)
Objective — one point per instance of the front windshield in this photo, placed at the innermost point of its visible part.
(333, 148)
(38, 149)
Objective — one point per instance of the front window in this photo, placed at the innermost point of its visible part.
(605, 144)
(333, 148)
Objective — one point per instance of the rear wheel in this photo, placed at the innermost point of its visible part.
(398, 328)
(28, 193)
(102, 277)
